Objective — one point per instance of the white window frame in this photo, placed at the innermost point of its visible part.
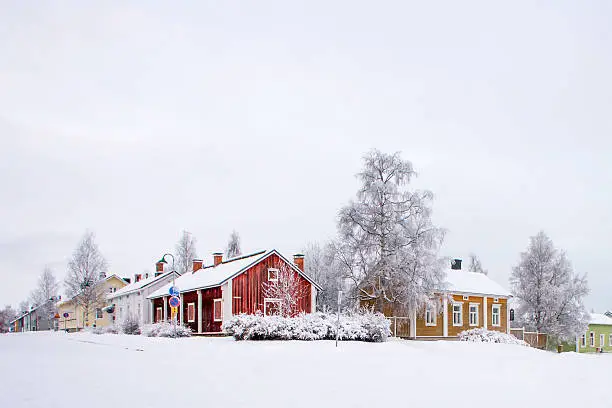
(583, 340)
(159, 314)
(602, 340)
(276, 271)
(101, 314)
(431, 315)
(192, 306)
(610, 340)
(477, 306)
(271, 300)
(592, 339)
(496, 307)
(220, 302)
(460, 313)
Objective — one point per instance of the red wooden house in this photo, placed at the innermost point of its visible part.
(212, 294)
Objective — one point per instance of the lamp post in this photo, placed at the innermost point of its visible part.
(163, 260)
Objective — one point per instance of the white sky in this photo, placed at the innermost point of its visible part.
(137, 121)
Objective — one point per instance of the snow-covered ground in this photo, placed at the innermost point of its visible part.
(85, 370)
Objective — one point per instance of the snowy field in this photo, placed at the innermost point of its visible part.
(85, 370)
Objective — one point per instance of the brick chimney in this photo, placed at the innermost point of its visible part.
(137, 277)
(217, 258)
(197, 264)
(298, 260)
(159, 268)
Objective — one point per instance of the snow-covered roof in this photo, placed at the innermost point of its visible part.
(136, 286)
(599, 318)
(460, 281)
(212, 276)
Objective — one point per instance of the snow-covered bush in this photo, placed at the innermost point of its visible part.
(362, 326)
(482, 335)
(107, 329)
(165, 329)
(130, 325)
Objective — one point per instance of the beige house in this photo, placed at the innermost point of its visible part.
(72, 316)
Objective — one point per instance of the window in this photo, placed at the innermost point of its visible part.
(495, 315)
(610, 341)
(457, 314)
(191, 312)
(602, 340)
(583, 340)
(159, 314)
(473, 314)
(466, 298)
(430, 315)
(273, 275)
(592, 339)
(99, 314)
(218, 310)
(271, 306)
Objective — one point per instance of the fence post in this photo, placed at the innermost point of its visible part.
(395, 327)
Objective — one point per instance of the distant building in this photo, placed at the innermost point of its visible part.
(131, 300)
(36, 319)
(598, 337)
(72, 316)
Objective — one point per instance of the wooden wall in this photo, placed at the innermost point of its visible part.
(247, 288)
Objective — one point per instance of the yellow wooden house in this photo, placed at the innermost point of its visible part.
(71, 317)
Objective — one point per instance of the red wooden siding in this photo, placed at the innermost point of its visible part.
(190, 297)
(208, 297)
(247, 288)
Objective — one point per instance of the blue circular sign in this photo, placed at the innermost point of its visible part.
(174, 301)
(66, 315)
(173, 291)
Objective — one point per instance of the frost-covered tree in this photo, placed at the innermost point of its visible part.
(287, 289)
(23, 307)
(233, 246)
(86, 269)
(476, 266)
(6, 315)
(323, 267)
(185, 253)
(388, 245)
(45, 294)
(549, 293)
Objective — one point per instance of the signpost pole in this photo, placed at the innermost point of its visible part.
(338, 322)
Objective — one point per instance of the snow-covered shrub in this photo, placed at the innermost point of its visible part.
(130, 325)
(104, 330)
(362, 326)
(482, 335)
(165, 329)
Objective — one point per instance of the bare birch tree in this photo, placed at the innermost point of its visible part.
(550, 294)
(45, 295)
(476, 266)
(287, 290)
(233, 246)
(86, 269)
(388, 245)
(185, 253)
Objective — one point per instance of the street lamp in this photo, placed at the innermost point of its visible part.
(163, 260)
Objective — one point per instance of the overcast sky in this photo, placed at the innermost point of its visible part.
(138, 121)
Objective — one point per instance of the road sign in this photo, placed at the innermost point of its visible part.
(66, 315)
(174, 301)
(174, 291)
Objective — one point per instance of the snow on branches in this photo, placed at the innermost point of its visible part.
(549, 292)
(388, 245)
